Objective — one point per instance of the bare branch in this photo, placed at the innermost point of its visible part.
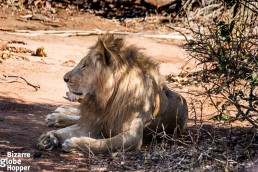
(36, 87)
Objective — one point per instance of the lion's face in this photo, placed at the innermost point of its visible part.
(95, 74)
(80, 80)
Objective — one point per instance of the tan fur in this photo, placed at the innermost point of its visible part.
(123, 94)
(118, 93)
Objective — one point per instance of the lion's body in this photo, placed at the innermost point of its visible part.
(124, 100)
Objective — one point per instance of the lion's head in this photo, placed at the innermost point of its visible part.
(94, 72)
(80, 80)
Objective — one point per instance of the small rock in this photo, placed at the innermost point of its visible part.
(81, 154)
(40, 52)
(5, 56)
(37, 154)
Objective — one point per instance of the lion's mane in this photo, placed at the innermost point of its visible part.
(124, 81)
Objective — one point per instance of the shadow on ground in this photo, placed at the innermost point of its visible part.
(20, 126)
(203, 147)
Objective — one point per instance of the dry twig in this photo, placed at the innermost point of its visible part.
(36, 87)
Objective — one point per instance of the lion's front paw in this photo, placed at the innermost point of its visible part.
(66, 110)
(61, 120)
(69, 145)
(56, 120)
(52, 120)
(85, 144)
(47, 141)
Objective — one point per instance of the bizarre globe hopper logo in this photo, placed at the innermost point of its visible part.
(13, 162)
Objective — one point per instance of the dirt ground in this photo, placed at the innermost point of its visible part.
(23, 109)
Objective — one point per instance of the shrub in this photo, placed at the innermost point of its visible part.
(227, 52)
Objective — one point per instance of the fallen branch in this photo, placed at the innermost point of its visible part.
(91, 32)
(36, 87)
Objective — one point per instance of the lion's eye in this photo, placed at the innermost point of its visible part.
(83, 66)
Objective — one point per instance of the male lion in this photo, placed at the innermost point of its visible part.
(124, 100)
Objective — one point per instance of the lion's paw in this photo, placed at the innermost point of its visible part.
(67, 110)
(69, 145)
(53, 120)
(47, 141)
(61, 120)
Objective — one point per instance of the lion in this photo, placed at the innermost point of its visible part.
(124, 100)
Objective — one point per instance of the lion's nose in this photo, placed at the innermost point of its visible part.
(66, 79)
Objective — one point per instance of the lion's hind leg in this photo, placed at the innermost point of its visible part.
(62, 117)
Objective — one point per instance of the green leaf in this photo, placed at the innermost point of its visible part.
(225, 117)
(217, 104)
(191, 43)
(216, 118)
(254, 76)
(242, 119)
(248, 56)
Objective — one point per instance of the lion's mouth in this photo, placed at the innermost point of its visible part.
(74, 96)
(78, 94)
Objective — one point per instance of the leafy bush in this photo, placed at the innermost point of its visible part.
(227, 52)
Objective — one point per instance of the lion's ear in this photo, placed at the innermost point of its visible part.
(109, 47)
(106, 54)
